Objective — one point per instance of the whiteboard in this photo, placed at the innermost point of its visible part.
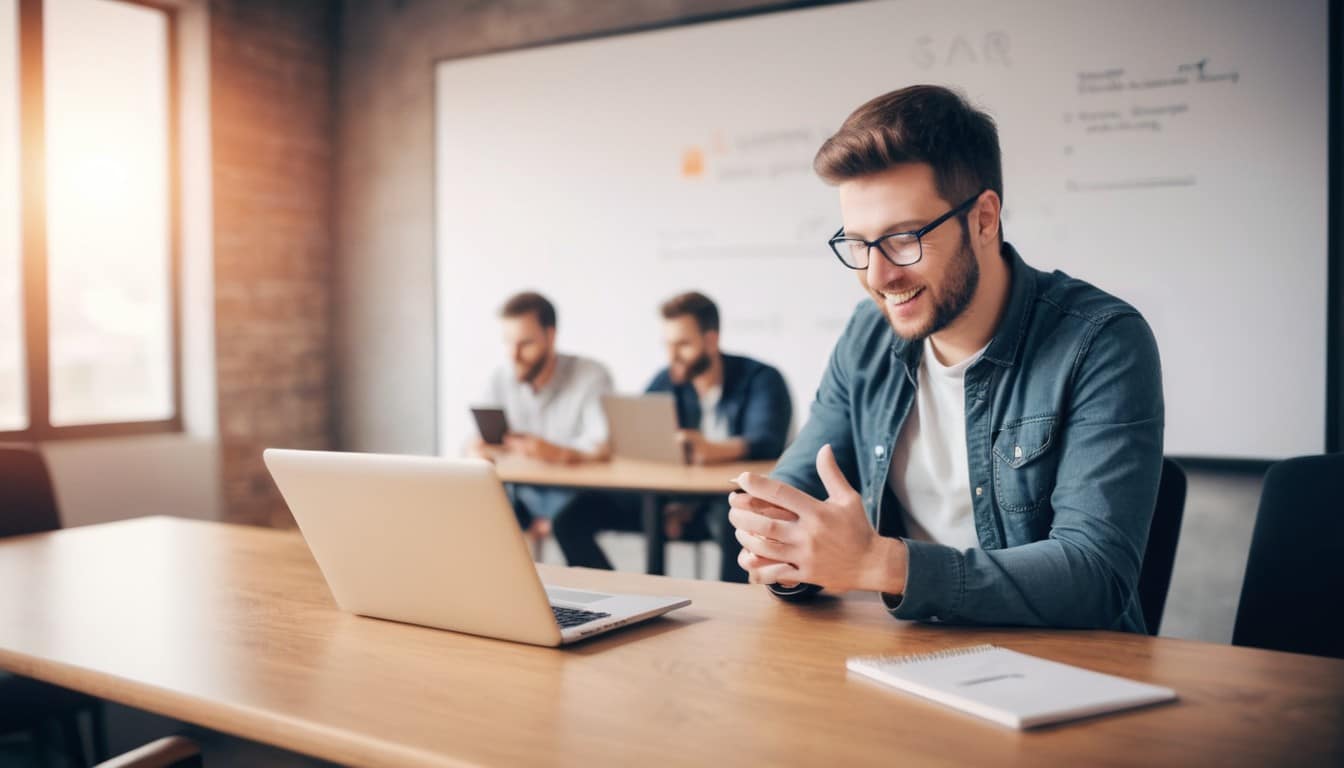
(1172, 153)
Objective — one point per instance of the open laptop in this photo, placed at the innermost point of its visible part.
(433, 541)
(643, 427)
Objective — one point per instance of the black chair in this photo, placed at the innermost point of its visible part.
(28, 505)
(1294, 585)
(1159, 555)
(27, 497)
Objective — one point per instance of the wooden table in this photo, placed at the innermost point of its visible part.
(648, 479)
(232, 628)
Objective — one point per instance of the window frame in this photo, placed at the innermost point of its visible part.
(33, 238)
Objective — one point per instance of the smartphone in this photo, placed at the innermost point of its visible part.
(492, 424)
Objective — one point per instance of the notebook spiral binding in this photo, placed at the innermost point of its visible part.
(945, 654)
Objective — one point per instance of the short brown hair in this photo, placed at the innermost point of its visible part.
(919, 124)
(695, 304)
(530, 303)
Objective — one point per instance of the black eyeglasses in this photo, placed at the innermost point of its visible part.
(900, 248)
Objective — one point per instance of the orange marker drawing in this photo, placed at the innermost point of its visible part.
(692, 163)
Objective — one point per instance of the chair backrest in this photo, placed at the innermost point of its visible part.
(27, 499)
(1160, 553)
(1293, 593)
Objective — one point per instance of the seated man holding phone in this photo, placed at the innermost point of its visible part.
(729, 408)
(551, 403)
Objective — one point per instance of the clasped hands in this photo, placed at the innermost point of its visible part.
(788, 537)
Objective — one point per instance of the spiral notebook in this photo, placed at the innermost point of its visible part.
(1008, 687)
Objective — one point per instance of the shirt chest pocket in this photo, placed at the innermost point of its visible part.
(1026, 456)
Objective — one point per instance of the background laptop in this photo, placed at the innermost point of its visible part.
(643, 427)
(434, 541)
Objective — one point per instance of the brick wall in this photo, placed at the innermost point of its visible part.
(272, 113)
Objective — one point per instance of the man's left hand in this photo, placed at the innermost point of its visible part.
(698, 449)
(693, 445)
(534, 447)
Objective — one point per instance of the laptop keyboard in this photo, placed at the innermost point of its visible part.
(573, 617)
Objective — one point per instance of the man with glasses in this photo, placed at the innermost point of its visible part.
(986, 441)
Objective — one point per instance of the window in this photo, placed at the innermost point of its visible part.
(13, 393)
(96, 304)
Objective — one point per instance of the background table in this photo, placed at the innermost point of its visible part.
(648, 479)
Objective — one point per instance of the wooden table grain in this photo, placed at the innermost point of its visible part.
(650, 480)
(233, 628)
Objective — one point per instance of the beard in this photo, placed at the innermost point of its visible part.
(680, 374)
(963, 278)
(529, 375)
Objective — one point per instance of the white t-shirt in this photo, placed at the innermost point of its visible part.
(712, 425)
(929, 470)
(567, 411)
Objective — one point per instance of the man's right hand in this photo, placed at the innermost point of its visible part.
(483, 450)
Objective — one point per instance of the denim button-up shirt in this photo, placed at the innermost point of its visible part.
(1064, 420)
(755, 404)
